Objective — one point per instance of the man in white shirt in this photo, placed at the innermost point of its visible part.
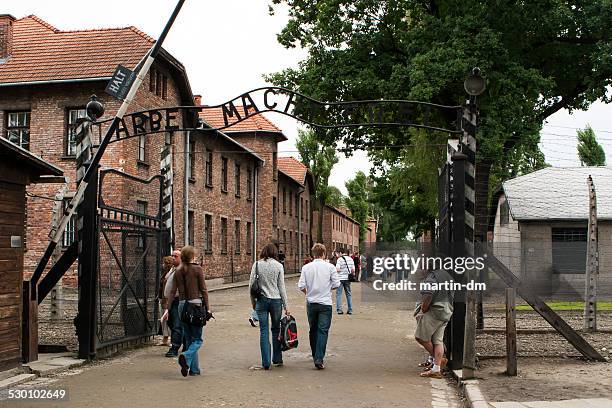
(317, 280)
(345, 266)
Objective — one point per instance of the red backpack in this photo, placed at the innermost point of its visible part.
(288, 336)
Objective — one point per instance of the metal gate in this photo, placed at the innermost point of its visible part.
(132, 241)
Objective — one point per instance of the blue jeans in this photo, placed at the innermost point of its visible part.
(176, 328)
(254, 315)
(349, 299)
(319, 320)
(193, 341)
(273, 307)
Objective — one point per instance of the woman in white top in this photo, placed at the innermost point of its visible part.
(271, 276)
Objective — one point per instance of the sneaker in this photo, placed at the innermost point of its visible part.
(192, 374)
(349, 312)
(171, 353)
(184, 366)
(340, 312)
(319, 365)
(253, 321)
(278, 364)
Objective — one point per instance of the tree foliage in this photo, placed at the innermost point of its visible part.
(589, 151)
(334, 197)
(537, 56)
(320, 159)
(358, 189)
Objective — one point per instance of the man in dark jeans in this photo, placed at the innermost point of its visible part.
(174, 319)
(317, 280)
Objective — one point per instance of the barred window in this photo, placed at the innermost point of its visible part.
(208, 233)
(237, 236)
(209, 168)
(223, 235)
(18, 129)
(72, 116)
(70, 230)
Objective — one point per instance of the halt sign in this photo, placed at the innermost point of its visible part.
(120, 83)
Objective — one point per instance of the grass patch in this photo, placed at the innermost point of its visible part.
(570, 306)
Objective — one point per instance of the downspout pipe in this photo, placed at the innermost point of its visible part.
(255, 203)
(186, 188)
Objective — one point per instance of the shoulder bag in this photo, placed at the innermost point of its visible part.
(193, 314)
(256, 291)
(351, 276)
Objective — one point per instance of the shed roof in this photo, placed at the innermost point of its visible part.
(559, 193)
(39, 166)
(293, 168)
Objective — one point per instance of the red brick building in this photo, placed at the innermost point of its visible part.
(284, 187)
(228, 186)
(46, 78)
(340, 230)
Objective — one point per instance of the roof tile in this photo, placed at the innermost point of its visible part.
(293, 168)
(42, 52)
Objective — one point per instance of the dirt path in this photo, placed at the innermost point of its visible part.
(371, 363)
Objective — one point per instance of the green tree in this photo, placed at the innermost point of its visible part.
(334, 197)
(320, 159)
(357, 200)
(589, 151)
(537, 56)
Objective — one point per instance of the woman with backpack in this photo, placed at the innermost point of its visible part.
(189, 278)
(268, 297)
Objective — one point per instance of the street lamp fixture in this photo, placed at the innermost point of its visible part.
(94, 108)
(474, 84)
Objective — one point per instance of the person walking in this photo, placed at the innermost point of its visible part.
(171, 300)
(317, 279)
(271, 276)
(357, 262)
(167, 264)
(345, 267)
(189, 279)
(433, 314)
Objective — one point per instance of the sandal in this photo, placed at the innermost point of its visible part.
(426, 364)
(431, 374)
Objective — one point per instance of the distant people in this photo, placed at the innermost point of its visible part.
(189, 279)
(345, 267)
(281, 257)
(167, 264)
(307, 260)
(357, 263)
(433, 314)
(317, 280)
(272, 283)
(171, 301)
(333, 257)
(363, 267)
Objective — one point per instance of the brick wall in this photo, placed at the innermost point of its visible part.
(48, 105)
(212, 201)
(339, 230)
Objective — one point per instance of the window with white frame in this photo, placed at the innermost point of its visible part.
(18, 128)
(72, 116)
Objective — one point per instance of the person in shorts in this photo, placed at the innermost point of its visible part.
(434, 313)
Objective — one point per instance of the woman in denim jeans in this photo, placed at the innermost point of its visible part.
(272, 284)
(189, 279)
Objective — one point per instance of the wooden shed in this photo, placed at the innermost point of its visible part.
(18, 168)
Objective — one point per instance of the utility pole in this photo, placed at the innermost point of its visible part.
(592, 263)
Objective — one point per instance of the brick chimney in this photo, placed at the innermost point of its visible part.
(6, 35)
(197, 99)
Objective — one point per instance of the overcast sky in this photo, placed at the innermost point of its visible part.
(228, 45)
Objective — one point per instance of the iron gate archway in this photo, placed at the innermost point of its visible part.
(132, 241)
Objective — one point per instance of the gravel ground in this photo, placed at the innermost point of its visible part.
(549, 368)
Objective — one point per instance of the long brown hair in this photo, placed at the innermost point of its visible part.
(269, 251)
